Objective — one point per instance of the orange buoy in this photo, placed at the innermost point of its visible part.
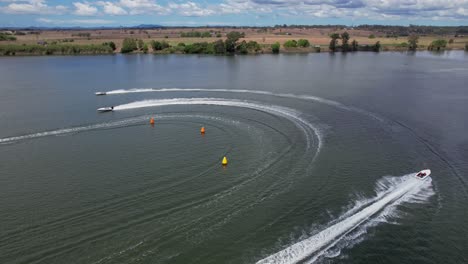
(152, 121)
(224, 162)
(202, 130)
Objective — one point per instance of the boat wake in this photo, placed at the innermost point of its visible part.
(78, 129)
(240, 91)
(309, 129)
(391, 191)
(311, 132)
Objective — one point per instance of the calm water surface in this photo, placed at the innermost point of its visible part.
(314, 143)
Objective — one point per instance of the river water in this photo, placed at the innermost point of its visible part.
(322, 153)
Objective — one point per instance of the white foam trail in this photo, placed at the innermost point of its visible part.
(315, 246)
(120, 123)
(74, 129)
(285, 95)
(287, 113)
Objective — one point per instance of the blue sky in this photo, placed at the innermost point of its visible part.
(231, 12)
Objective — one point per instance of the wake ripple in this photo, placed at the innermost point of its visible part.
(284, 95)
(126, 122)
(290, 114)
(398, 190)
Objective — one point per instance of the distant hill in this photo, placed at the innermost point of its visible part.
(147, 26)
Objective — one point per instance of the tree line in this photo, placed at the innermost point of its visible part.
(231, 45)
(7, 37)
(415, 29)
(56, 49)
(198, 34)
(349, 47)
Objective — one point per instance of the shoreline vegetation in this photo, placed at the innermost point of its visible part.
(286, 39)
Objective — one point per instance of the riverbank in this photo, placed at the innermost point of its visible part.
(233, 43)
(209, 41)
(92, 49)
(54, 49)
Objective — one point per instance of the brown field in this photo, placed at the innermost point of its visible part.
(316, 36)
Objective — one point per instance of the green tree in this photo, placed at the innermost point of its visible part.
(145, 48)
(372, 36)
(235, 36)
(466, 47)
(345, 40)
(275, 48)
(128, 45)
(354, 45)
(230, 45)
(159, 45)
(437, 44)
(242, 48)
(231, 41)
(110, 44)
(290, 44)
(165, 44)
(334, 37)
(253, 46)
(180, 47)
(376, 46)
(156, 45)
(199, 48)
(303, 43)
(413, 42)
(219, 47)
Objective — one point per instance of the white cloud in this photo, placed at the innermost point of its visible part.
(462, 11)
(112, 8)
(352, 9)
(75, 21)
(306, 9)
(191, 9)
(84, 9)
(137, 7)
(32, 7)
(241, 6)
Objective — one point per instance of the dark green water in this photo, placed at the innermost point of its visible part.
(312, 140)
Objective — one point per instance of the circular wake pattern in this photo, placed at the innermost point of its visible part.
(169, 198)
(275, 154)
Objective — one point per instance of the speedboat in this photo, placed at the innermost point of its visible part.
(106, 109)
(100, 93)
(423, 174)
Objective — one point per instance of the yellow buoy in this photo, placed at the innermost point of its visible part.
(152, 121)
(202, 130)
(225, 161)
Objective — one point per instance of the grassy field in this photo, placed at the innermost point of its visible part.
(262, 36)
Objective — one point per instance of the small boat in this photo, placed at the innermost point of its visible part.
(100, 93)
(423, 174)
(106, 109)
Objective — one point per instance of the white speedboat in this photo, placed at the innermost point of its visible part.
(106, 109)
(100, 93)
(423, 174)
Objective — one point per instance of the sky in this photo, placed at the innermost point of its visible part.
(53, 13)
